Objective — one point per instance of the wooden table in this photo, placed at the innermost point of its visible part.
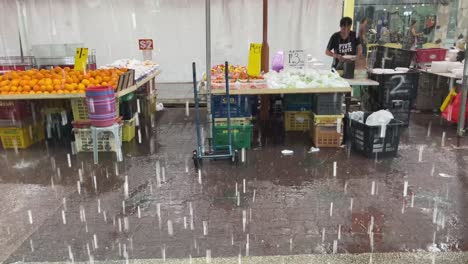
(361, 82)
(78, 95)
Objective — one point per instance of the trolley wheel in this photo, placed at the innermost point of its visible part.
(196, 160)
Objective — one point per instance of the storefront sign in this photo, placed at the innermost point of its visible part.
(145, 44)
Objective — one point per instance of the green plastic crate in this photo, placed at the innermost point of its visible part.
(241, 136)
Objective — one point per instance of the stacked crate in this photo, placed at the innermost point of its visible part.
(241, 121)
(327, 120)
(297, 112)
(20, 124)
(395, 93)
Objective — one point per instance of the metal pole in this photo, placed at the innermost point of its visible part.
(265, 48)
(461, 118)
(208, 44)
(208, 65)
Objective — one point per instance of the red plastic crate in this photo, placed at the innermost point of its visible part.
(18, 110)
(429, 55)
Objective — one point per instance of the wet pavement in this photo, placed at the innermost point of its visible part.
(154, 205)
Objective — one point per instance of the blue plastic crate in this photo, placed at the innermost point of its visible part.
(240, 106)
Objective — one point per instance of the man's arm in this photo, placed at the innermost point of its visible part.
(333, 55)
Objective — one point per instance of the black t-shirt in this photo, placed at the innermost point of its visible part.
(343, 46)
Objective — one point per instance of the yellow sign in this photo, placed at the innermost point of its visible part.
(255, 59)
(81, 59)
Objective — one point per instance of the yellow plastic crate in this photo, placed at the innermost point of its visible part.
(80, 110)
(22, 137)
(326, 120)
(128, 131)
(297, 121)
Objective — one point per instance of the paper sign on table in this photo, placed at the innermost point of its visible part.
(295, 59)
(255, 59)
(81, 59)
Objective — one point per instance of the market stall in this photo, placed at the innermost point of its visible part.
(52, 104)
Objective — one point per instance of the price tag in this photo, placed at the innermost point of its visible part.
(145, 44)
(255, 59)
(81, 59)
(295, 59)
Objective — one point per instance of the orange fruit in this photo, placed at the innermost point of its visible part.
(13, 88)
(32, 92)
(27, 88)
(104, 84)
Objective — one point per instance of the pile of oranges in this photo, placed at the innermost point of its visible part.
(56, 81)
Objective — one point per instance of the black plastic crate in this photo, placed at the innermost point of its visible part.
(240, 106)
(328, 104)
(298, 102)
(394, 57)
(399, 86)
(368, 140)
(401, 110)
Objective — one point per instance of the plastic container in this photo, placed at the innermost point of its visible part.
(297, 121)
(298, 102)
(17, 110)
(22, 137)
(239, 121)
(101, 104)
(241, 136)
(328, 104)
(429, 55)
(401, 110)
(326, 120)
(398, 86)
(394, 57)
(84, 140)
(128, 130)
(371, 141)
(326, 136)
(240, 106)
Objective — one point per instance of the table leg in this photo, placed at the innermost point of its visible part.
(347, 102)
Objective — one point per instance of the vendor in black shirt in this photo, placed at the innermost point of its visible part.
(343, 43)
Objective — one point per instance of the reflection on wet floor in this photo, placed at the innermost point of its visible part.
(155, 205)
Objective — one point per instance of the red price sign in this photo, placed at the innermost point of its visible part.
(145, 44)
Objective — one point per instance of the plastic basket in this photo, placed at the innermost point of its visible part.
(400, 86)
(84, 140)
(22, 137)
(239, 121)
(327, 136)
(80, 110)
(128, 130)
(326, 120)
(241, 136)
(297, 121)
(327, 104)
(298, 102)
(430, 55)
(17, 110)
(371, 141)
(240, 106)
